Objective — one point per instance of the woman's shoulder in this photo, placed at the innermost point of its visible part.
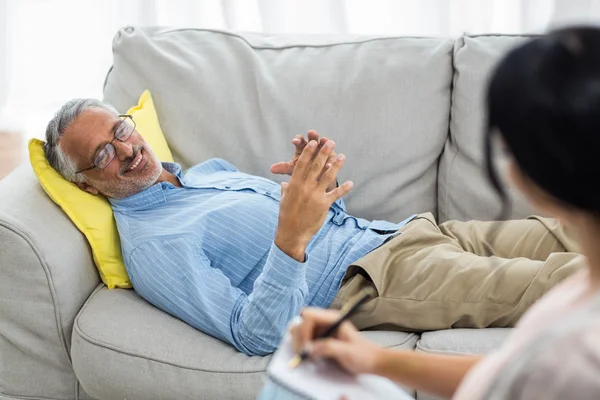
(569, 365)
(563, 362)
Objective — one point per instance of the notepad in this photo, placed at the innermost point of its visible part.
(326, 380)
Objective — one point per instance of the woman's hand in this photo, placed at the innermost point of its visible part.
(434, 373)
(354, 353)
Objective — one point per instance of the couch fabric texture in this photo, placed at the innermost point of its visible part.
(407, 112)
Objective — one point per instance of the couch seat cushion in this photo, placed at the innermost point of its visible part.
(461, 341)
(125, 348)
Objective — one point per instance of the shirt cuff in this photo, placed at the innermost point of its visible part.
(341, 204)
(282, 270)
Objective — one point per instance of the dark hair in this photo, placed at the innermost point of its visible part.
(544, 100)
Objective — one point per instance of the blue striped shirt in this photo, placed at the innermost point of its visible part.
(205, 254)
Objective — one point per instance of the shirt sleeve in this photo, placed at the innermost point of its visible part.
(176, 276)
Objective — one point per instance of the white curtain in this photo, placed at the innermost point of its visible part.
(54, 50)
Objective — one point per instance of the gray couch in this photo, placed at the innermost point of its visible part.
(407, 112)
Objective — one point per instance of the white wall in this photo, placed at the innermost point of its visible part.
(54, 50)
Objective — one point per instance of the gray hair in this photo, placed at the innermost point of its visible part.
(65, 116)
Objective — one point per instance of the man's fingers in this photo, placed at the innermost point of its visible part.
(328, 164)
(317, 165)
(284, 187)
(330, 174)
(313, 135)
(304, 161)
(321, 143)
(299, 141)
(282, 168)
(287, 167)
(340, 191)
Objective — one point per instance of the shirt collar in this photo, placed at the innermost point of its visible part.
(149, 197)
(173, 168)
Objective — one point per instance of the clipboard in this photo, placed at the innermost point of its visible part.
(326, 380)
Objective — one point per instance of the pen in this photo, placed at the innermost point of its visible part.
(347, 311)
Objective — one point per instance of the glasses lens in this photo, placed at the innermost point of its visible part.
(125, 130)
(105, 156)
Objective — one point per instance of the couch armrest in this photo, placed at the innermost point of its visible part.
(47, 273)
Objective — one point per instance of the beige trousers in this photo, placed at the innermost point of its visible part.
(432, 277)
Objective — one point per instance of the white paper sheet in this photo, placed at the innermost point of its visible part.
(325, 380)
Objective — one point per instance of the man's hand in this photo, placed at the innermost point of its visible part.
(300, 142)
(305, 200)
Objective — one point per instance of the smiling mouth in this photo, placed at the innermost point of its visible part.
(136, 162)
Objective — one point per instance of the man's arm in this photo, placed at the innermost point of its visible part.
(176, 276)
(183, 283)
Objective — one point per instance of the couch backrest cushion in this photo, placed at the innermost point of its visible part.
(46, 274)
(464, 191)
(384, 100)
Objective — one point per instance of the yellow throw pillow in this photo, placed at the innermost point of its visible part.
(146, 123)
(92, 214)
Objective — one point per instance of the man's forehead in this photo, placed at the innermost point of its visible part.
(93, 119)
(91, 127)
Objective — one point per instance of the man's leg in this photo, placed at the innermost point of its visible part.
(452, 276)
(534, 238)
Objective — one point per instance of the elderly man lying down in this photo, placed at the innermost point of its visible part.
(238, 256)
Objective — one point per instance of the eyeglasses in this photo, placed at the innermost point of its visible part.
(106, 154)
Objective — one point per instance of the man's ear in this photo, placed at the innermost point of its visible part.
(88, 188)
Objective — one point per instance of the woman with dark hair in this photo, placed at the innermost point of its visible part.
(543, 102)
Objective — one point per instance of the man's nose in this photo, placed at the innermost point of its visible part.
(124, 150)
